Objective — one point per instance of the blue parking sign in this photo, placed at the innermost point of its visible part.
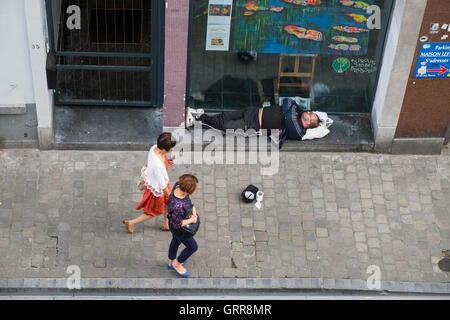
(434, 61)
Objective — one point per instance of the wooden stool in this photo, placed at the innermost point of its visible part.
(295, 74)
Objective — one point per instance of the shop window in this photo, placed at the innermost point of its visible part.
(245, 52)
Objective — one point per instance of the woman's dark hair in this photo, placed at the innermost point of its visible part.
(188, 183)
(166, 141)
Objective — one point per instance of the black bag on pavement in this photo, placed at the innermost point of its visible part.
(249, 194)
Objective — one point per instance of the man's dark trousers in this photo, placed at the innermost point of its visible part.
(240, 119)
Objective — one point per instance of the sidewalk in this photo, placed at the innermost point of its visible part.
(325, 218)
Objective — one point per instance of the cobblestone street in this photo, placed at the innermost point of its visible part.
(324, 215)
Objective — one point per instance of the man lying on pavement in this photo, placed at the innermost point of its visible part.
(291, 120)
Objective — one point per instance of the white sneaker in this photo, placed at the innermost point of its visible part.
(192, 115)
(196, 113)
(189, 118)
(275, 136)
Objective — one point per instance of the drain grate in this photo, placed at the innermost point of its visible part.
(444, 264)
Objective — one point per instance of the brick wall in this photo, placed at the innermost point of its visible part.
(175, 61)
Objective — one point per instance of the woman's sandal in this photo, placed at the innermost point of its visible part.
(171, 266)
(186, 274)
(130, 229)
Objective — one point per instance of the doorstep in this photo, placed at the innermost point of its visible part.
(106, 128)
(119, 128)
(13, 109)
(349, 133)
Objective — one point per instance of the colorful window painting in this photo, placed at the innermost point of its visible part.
(263, 38)
(302, 26)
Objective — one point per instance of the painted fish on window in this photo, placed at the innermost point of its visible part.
(302, 33)
(347, 3)
(349, 29)
(355, 4)
(361, 5)
(355, 47)
(357, 17)
(345, 39)
(303, 2)
(345, 47)
(276, 9)
(251, 6)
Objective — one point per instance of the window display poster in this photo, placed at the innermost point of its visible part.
(219, 25)
(219, 12)
(217, 37)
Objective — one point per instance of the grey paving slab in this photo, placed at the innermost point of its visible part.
(325, 216)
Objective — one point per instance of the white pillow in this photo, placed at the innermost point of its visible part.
(316, 133)
(323, 117)
(304, 102)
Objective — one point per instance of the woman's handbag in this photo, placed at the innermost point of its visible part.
(141, 183)
(190, 229)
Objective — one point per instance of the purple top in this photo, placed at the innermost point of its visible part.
(177, 209)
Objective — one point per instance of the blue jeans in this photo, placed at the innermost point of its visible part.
(189, 242)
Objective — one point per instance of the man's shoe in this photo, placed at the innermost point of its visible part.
(192, 115)
(189, 119)
(197, 113)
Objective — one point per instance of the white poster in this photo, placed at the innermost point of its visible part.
(219, 24)
(219, 12)
(217, 37)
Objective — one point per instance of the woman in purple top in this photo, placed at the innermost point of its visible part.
(178, 206)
